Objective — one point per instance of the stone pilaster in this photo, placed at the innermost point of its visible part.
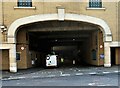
(107, 58)
(12, 57)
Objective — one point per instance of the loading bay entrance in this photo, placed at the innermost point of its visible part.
(69, 45)
(70, 40)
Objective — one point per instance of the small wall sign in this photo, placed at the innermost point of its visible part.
(102, 56)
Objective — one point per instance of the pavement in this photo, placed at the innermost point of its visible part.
(58, 72)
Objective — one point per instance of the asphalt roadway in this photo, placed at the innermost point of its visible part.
(111, 79)
(69, 76)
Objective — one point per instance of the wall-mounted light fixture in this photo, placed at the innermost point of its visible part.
(22, 48)
(101, 46)
(3, 28)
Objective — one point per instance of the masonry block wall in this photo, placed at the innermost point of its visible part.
(4, 63)
(117, 54)
(26, 55)
(22, 43)
(1, 17)
(1, 21)
(100, 48)
(118, 49)
(9, 13)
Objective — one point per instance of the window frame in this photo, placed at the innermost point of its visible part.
(99, 4)
(24, 3)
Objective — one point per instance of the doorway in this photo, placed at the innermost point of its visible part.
(4, 58)
(113, 58)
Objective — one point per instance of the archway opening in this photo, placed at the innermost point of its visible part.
(72, 41)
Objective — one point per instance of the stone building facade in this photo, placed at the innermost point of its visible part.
(25, 25)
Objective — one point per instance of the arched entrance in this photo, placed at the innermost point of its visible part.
(107, 35)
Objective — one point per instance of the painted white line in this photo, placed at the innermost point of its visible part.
(21, 77)
(92, 73)
(91, 84)
(116, 71)
(101, 85)
(12, 78)
(51, 76)
(65, 75)
(79, 74)
(106, 72)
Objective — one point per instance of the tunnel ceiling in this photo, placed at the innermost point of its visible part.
(61, 34)
(60, 38)
(59, 31)
(59, 26)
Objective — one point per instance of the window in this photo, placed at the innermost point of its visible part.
(24, 3)
(17, 55)
(95, 3)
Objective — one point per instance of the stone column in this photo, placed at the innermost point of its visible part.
(107, 58)
(12, 54)
(12, 57)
